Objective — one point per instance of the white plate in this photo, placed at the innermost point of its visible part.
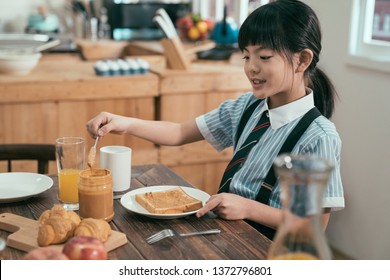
(128, 201)
(17, 186)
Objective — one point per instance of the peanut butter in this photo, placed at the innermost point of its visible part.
(96, 194)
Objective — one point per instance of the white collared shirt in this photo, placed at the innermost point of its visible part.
(285, 114)
(219, 128)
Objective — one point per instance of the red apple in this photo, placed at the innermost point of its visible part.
(45, 254)
(85, 248)
(185, 22)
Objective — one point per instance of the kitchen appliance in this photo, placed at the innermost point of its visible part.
(226, 31)
(42, 22)
(225, 34)
(133, 19)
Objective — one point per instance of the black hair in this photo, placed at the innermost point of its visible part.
(288, 27)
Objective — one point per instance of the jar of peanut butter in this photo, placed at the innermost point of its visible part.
(96, 194)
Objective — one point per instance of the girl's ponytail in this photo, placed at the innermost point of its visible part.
(324, 91)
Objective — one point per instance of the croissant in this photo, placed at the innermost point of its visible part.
(56, 225)
(44, 216)
(94, 228)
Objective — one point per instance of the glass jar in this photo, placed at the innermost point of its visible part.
(96, 194)
(303, 180)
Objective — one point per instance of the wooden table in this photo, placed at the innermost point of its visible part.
(237, 241)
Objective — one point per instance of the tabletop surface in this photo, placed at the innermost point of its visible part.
(237, 240)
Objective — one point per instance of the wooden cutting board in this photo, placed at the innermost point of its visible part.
(25, 233)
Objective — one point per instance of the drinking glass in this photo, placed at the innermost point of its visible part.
(70, 156)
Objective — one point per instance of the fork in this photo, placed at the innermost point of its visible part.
(170, 232)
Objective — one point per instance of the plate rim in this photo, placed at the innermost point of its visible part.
(25, 196)
(130, 195)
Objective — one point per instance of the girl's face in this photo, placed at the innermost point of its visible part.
(272, 76)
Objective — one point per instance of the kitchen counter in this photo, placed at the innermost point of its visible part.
(62, 93)
(67, 77)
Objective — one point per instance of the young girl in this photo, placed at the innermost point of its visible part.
(281, 44)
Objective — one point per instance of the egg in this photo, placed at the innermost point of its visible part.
(134, 66)
(144, 65)
(124, 67)
(114, 67)
(101, 68)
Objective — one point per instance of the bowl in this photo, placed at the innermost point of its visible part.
(102, 49)
(18, 64)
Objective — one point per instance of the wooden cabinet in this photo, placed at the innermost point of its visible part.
(61, 95)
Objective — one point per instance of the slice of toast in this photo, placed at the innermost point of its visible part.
(171, 201)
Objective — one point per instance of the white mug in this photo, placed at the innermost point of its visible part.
(118, 160)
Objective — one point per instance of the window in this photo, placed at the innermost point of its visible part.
(381, 22)
(370, 34)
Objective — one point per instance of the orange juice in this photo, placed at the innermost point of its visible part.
(294, 256)
(68, 185)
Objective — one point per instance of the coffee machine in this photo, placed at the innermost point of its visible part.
(133, 19)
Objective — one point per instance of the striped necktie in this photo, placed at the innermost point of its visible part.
(240, 156)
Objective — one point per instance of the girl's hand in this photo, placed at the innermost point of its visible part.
(226, 205)
(105, 123)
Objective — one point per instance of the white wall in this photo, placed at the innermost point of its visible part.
(362, 229)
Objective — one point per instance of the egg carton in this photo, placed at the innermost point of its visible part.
(121, 67)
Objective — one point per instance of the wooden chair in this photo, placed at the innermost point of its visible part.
(43, 153)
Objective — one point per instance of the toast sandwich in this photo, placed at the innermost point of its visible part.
(171, 201)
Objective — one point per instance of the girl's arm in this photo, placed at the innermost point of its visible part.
(234, 207)
(158, 132)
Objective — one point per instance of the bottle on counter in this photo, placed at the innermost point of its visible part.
(104, 28)
(303, 180)
(3, 245)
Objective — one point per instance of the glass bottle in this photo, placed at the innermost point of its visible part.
(96, 194)
(3, 245)
(104, 27)
(303, 180)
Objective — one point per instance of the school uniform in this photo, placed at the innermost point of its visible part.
(219, 127)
